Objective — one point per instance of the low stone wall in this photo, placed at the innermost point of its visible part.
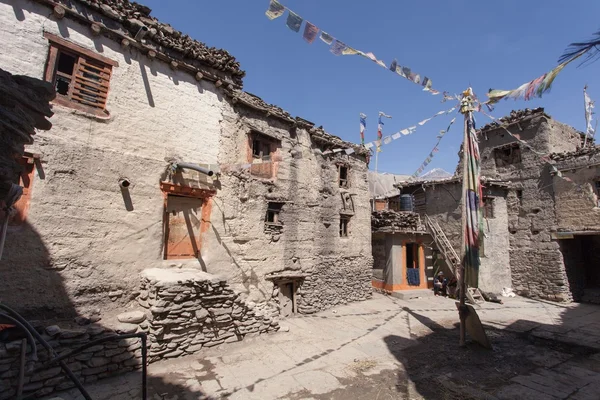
(94, 363)
(189, 309)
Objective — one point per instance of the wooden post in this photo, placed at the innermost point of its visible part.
(59, 12)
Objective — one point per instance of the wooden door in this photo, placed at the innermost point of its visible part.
(182, 231)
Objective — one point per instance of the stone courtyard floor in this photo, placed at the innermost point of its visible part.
(387, 348)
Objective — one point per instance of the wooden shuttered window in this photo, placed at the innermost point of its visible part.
(80, 77)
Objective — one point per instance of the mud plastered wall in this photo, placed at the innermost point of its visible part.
(309, 242)
(531, 212)
(81, 247)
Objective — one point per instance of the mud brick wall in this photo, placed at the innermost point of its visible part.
(189, 309)
(97, 362)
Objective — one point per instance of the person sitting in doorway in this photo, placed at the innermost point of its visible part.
(440, 284)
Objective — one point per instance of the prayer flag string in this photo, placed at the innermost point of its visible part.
(435, 149)
(339, 48)
(534, 88)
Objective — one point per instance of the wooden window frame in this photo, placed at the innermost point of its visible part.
(344, 226)
(84, 58)
(263, 166)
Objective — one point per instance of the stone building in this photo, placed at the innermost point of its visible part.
(164, 186)
(539, 227)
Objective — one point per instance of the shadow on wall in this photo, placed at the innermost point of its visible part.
(523, 353)
(34, 287)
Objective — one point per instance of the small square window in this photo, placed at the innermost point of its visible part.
(520, 197)
(343, 176)
(344, 222)
(273, 211)
(508, 155)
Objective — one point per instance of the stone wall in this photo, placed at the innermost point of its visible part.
(97, 362)
(189, 310)
(537, 268)
(335, 281)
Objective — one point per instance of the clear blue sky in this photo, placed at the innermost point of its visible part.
(485, 44)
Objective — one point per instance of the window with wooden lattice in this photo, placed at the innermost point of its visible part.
(80, 77)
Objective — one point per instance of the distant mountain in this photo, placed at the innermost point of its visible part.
(435, 175)
(381, 184)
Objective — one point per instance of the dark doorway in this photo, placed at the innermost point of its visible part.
(286, 299)
(412, 264)
(582, 263)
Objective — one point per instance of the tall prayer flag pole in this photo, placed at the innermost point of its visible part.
(471, 208)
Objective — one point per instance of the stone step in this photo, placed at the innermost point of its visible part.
(412, 294)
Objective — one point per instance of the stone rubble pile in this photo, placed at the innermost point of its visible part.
(97, 362)
(396, 220)
(190, 309)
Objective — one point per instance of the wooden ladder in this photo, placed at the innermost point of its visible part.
(475, 296)
(443, 244)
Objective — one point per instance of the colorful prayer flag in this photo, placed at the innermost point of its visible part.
(337, 48)
(275, 10)
(310, 32)
(294, 21)
(325, 37)
(363, 126)
(349, 151)
(380, 128)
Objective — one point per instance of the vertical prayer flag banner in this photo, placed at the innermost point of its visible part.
(363, 126)
(380, 129)
(589, 111)
(294, 21)
(310, 32)
(275, 10)
(473, 226)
